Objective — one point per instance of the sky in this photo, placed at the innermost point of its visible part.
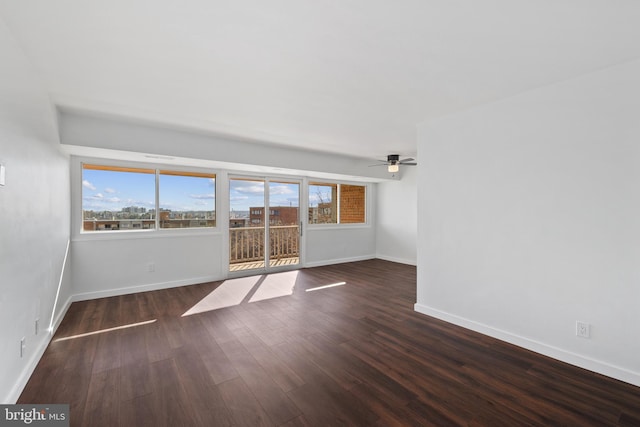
(244, 194)
(112, 191)
(319, 194)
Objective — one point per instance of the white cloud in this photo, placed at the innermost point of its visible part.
(202, 196)
(314, 199)
(100, 197)
(109, 190)
(87, 184)
(250, 188)
(279, 190)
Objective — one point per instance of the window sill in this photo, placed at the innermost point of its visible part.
(314, 227)
(146, 234)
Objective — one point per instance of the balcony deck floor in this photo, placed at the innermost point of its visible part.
(252, 265)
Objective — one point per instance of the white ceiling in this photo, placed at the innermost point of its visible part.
(337, 75)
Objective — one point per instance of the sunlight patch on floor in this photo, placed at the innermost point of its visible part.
(101, 331)
(333, 285)
(275, 285)
(251, 289)
(229, 293)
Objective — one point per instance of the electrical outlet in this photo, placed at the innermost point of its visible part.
(37, 326)
(583, 329)
(151, 267)
(23, 346)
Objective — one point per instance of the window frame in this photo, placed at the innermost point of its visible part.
(338, 223)
(77, 214)
(222, 176)
(182, 172)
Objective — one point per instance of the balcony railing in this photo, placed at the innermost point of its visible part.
(246, 244)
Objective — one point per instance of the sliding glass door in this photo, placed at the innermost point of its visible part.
(264, 224)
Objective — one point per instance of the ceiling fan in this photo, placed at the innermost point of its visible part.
(393, 162)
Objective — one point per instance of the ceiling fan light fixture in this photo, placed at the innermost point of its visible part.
(393, 163)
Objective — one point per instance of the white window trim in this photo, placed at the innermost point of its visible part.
(78, 234)
(367, 205)
(222, 176)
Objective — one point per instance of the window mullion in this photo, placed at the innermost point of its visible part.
(157, 199)
(338, 203)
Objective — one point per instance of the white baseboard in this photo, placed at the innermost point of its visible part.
(143, 288)
(19, 386)
(536, 346)
(21, 383)
(338, 261)
(398, 260)
(60, 316)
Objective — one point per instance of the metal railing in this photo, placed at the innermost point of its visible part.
(246, 244)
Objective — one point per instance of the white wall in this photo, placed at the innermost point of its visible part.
(34, 217)
(83, 131)
(188, 257)
(530, 220)
(333, 245)
(397, 218)
(119, 264)
(111, 266)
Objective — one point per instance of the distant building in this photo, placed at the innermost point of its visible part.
(324, 213)
(117, 224)
(138, 218)
(237, 222)
(278, 215)
(134, 209)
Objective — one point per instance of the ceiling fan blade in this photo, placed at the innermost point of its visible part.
(409, 164)
(409, 159)
(379, 164)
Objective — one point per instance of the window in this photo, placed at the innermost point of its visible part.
(123, 198)
(113, 198)
(187, 199)
(323, 203)
(336, 203)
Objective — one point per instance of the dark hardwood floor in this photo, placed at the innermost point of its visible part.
(285, 352)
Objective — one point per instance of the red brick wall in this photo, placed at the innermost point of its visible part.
(288, 215)
(352, 204)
